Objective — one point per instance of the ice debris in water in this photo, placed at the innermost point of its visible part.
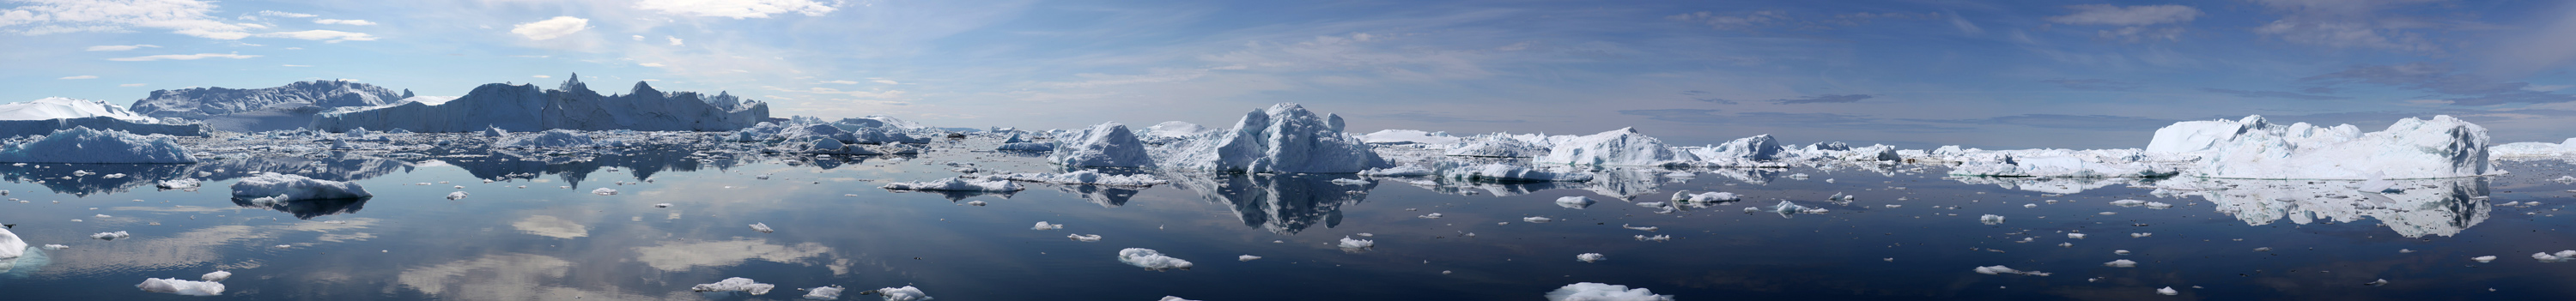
(1657, 238)
(1083, 238)
(1646, 228)
(295, 187)
(2484, 259)
(1046, 226)
(603, 191)
(2158, 205)
(1589, 257)
(456, 195)
(217, 276)
(110, 235)
(2376, 282)
(1991, 219)
(1574, 202)
(823, 293)
(1591, 291)
(2075, 235)
(2030, 205)
(1173, 298)
(735, 284)
(2120, 252)
(1087, 177)
(1999, 270)
(182, 287)
(181, 183)
(762, 227)
(1148, 259)
(957, 184)
(1432, 215)
(662, 205)
(1348, 243)
(905, 293)
(2562, 256)
(2128, 203)
(2168, 291)
(1246, 258)
(1686, 196)
(2123, 263)
(1350, 182)
(85, 145)
(1536, 219)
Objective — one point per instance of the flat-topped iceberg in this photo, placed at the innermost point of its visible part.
(44, 116)
(1104, 145)
(284, 107)
(1623, 147)
(2442, 147)
(182, 287)
(571, 106)
(2526, 150)
(84, 145)
(1284, 138)
(1407, 136)
(295, 187)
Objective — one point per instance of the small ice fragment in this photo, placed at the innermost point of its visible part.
(182, 287)
(2140, 235)
(2377, 283)
(1172, 298)
(57, 247)
(1536, 219)
(111, 235)
(2123, 263)
(735, 284)
(975, 203)
(1046, 226)
(905, 293)
(1432, 215)
(1894, 205)
(1991, 219)
(2108, 213)
(2263, 249)
(2075, 235)
(1657, 238)
(2168, 291)
(1646, 228)
(762, 227)
(1889, 259)
(1589, 257)
(1148, 259)
(217, 276)
(2066, 244)
(1574, 202)
(1246, 258)
(2158, 205)
(456, 195)
(1998, 270)
(2030, 205)
(2128, 203)
(662, 205)
(823, 293)
(2120, 252)
(102, 216)
(2404, 251)
(603, 191)
(2562, 256)
(1348, 243)
(1591, 291)
(2484, 259)
(1083, 238)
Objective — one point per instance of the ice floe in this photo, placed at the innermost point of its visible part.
(1589, 257)
(1574, 202)
(181, 287)
(735, 284)
(1998, 270)
(111, 235)
(905, 293)
(1151, 260)
(217, 276)
(2123, 263)
(1083, 238)
(10, 245)
(1246, 258)
(823, 293)
(1046, 226)
(1348, 243)
(1593, 291)
(2561, 256)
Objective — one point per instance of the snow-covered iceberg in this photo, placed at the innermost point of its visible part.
(1407, 136)
(1284, 138)
(2534, 150)
(1623, 147)
(44, 116)
(1104, 145)
(2251, 148)
(84, 145)
(10, 245)
(571, 106)
(295, 187)
(265, 109)
(1590, 291)
(1148, 259)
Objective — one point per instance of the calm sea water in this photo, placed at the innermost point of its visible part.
(555, 240)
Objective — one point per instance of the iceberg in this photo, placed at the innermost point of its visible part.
(2534, 150)
(1621, 147)
(1348, 243)
(182, 287)
(571, 106)
(1589, 257)
(1407, 136)
(1148, 259)
(2061, 167)
(1105, 145)
(296, 187)
(10, 245)
(1284, 138)
(735, 284)
(1591, 291)
(905, 293)
(1498, 146)
(2251, 148)
(1172, 131)
(217, 276)
(824, 293)
(44, 116)
(84, 145)
(1574, 202)
(265, 109)
(1998, 270)
(1407, 170)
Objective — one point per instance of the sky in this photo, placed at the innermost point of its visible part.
(1915, 74)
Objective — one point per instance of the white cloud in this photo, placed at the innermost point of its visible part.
(80, 77)
(130, 85)
(294, 48)
(344, 22)
(675, 41)
(183, 57)
(885, 82)
(185, 17)
(2350, 24)
(735, 8)
(252, 25)
(544, 76)
(318, 35)
(639, 38)
(120, 47)
(281, 14)
(2547, 88)
(551, 28)
(844, 82)
(2105, 14)
(298, 65)
(650, 64)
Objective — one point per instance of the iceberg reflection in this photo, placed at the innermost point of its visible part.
(2413, 208)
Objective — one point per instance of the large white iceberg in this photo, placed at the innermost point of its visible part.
(1590, 291)
(1284, 138)
(295, 187)
(1105, 145)
(1407, 136)
(10, 245)
(2442, 147)
(571, 106)
(84, 145)
(267, 109)
(1624, 146)
(44, 116)
(2531, 150)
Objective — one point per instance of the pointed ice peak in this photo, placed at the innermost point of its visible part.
(407, 94)
(574, 84)
(2253, 120)
(641, 88)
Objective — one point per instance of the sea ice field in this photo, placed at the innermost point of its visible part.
(701, 216)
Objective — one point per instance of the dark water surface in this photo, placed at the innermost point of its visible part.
(835, 227)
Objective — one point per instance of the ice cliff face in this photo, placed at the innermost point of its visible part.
(1282, 138)
(571, 106)
(274, 108)
(1104, 145)
(2442, 147)
(44, 116)
(84, 145)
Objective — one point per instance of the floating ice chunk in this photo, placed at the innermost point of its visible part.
(1991, 219)
(1104, 145)
(2484, 259)
(1172, 298)
(1646, 228)
(1432, 215)
(458, 195)
(2030, 205)
(1148, 259)
(2075, 235)
(1407, 170)
(11, 246)
(735, 284)
(905, 293)
(2128, 203)
(2168, 291)
(2140, 235)
(975, 203)
(1046, 226)
(1246, 258)
(957, 184)
(295, 187)
(2120, 252)
(1537, 219)
(2263, 249)
(1083, 238)
(182, 287)
(1348, 243)
(2562, 256)
(1998, 270)
(603, 191)
(1589, 257)
(109, 236)
(2123, 263)
(2376, 282)
(1574, 202)
(217, 276)
(823, 293)
(1590, 291)
(1686, 196)
(1350, 182)
(662, 205)
(1657, 238)
(762, 227)
(180, 183)
(2158, 205)
(1510, 173)
(57, 247)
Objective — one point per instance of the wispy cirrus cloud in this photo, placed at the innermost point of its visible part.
(183, 57)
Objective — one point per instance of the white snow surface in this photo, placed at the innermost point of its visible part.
(1591, 291)
(1407, 136)
(2442, 147)
(217, 276)
(958, 184)
(85, 145)
(182, 287)
(735, 284)
(1284, 138)
(51, 108)
(1149, 259)
(296, 187)
(1105, 145)
(10, 245)
(2533, 150)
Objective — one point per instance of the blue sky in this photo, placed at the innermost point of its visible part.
(1918, 74)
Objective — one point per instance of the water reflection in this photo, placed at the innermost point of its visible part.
(2047, 185)
(2413, 208)
(91, 179)
(574, 167)
(1280, 203)
(333, 166)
